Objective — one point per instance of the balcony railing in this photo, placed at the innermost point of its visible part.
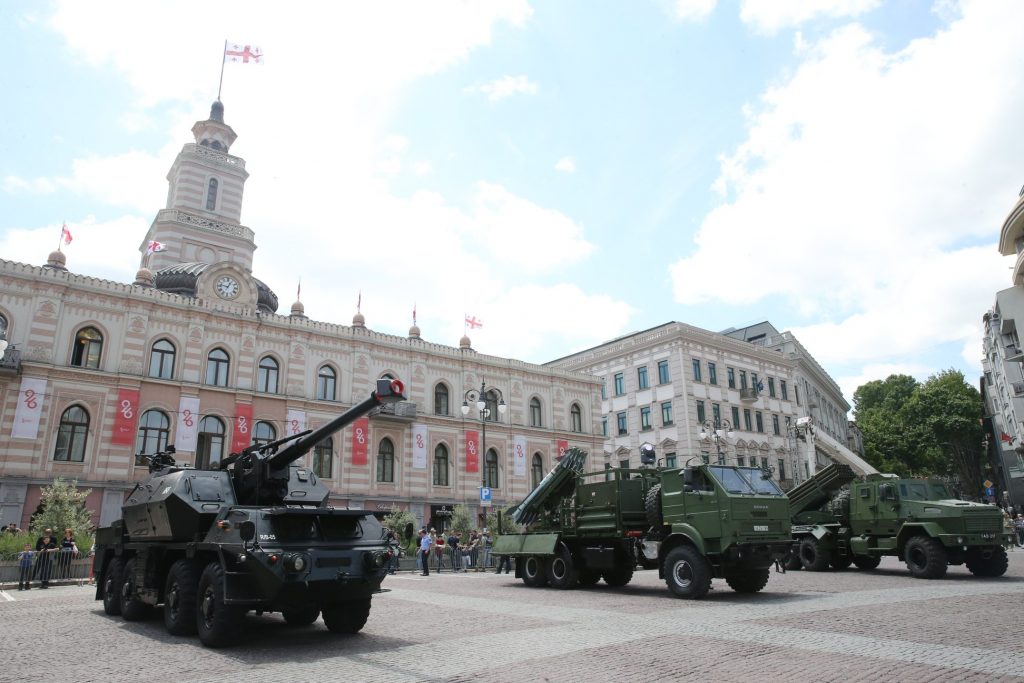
(748, 395)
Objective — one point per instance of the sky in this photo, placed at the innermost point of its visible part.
(565, 172)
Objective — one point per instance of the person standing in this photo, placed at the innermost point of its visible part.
(486, 541)
(68, 551)
(504, 561)
(425, 544)
(45, 546)
(1018, 525)
(25, 568)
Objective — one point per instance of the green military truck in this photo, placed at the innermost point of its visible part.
(692, 524)
(839, 520)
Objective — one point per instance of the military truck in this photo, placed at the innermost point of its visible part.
(839, 520)
(252, 533)
(692, 524)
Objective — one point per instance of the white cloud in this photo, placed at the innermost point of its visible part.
(15, 185)
(866, 182)
(566, 165)
(693, 10)
(769, 16)
(506, 86)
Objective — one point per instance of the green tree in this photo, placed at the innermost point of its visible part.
(463, 520)
(399, 521)
(62, 506)
(507, 525)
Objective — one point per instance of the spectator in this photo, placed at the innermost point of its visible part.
(453, 551)
(439, 550)
(45, 546)
(425, 543)
(486, 541)
(504, 561)
(68, 551)
(1018, 525)
(12, 528)
(419, 555)
(25, 568)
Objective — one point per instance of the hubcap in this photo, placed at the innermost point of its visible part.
(531, 567)
(558, 568)
(683, 573)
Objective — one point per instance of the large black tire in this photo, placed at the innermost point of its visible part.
(813, 556)
(112, 587)
(747, 581)
(925, 558)
(793, 562)
(132, 607)
(987, 562)
(687, 573)
(866, 563)
(347, 617)
(561, 569)
(216, 622)
(301, 616)
(534, 573)
(619, 576)
(180, 598)
(841, 562)
(652, 507)
(589, 577)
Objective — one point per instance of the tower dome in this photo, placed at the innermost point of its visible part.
(464, 343)
(358, 320)
(56, 260)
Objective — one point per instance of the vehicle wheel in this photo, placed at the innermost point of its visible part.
(589, 577)
(925, 557)
(620, 576)
(866, 562)
(687, 573)
(652, 507)
(112, 587)
(747, 581)
(814, 557)
(216, 622)
(561, 569)
(793, 562)
(841, 562)
(534, 574)
(301, 616)
(132, 607)
(347, 617)
(987, 562)
(180, 598)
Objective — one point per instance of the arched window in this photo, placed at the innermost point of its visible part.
(491, 400)
(161, 361)
(575, 418)
(3, 327)
(71, 435)
(323, 458)
(386, 460)
(491, 469)
(535, 414)
(263, 432)
(210, 442)
(440, 399)
(211, 195)
(326, 383)
(536, 470)
(266, 376)
(441, 465)
(88, 347)
(218, 363)
(154, 430)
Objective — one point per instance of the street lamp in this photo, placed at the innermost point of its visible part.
(479, 397)
(718, 432)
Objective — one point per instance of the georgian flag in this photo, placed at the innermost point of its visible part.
(247, 54)
(155, 246)
(65, 234)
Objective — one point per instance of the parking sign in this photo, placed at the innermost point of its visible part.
(485, 496)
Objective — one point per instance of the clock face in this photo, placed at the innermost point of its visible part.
(227, 287)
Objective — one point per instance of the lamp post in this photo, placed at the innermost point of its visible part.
(717, 432)
(479, 398)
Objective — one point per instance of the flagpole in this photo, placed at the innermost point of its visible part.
(61, 238)
(221, 83)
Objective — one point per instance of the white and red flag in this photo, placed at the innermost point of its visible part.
(65, 234)
(154, 247)
(246, 54)
(472, 323)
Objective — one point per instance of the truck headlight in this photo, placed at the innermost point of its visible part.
(295, 563)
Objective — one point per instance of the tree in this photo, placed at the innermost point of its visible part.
(462, 520)
(507, 525)
(401, 521)
(63, 507)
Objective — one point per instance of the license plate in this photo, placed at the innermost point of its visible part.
(758, 527)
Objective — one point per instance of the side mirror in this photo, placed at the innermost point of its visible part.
(247, 530)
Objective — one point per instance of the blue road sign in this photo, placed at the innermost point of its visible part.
(990, 492)
(485, 496)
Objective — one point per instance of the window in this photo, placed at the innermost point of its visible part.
(323, 458)
(641, 377)
(759, 421)
(620, 385)
(88, 347)
(604, 426)
(266, 376)
(782, 469)
(211, 195)
(624, 464)
(3, 327)
(217, 366)
(536, 470)
(154, 430)
(731, 377)
(491, 469)
(721, 458)
(645, 417)
(701, 416)
(775, 425)
(326, 383)
(210, 442)
(705, 457)
(666, 413)
(575, 418)
(441, 465)
(764, 463)
(441, 400)
(741, 461)
(663, 377)
(796, 392)
(71, 435)
(696, 370)
(743, 379)
(386, 460)
(161, 361)
(716, 414)
(782, 390)
(621, 419)
(263, 432)
(746, 419)
(535, 416)
(712, 373)
(755, 383)
(735, 417)
(604, 390)
(771, 387)
(491, 413)
(670, 460)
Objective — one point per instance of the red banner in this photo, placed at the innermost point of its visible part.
(360, 440)
(563, 446)
(243, 427)
(125, 417)
(472, 452)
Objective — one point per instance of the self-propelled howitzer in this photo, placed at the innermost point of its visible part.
(254, 533)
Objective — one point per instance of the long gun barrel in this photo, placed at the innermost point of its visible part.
(558, 484)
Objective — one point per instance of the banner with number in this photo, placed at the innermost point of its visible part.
(243, 427)
(562, 446)
(519, 458)
(419, 447)
(472, 452)
(188, 423)
(360, 440)
(295, 423)
(124, 418)
(30, 407)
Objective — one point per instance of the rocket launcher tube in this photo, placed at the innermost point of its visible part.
(559, 483)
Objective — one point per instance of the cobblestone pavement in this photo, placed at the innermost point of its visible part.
(836, 626)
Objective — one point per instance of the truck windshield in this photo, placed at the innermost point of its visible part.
(940, 492)
(731, 480)
(761, 484)
(914, 490)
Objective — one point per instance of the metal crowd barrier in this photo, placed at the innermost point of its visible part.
(60, 567)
